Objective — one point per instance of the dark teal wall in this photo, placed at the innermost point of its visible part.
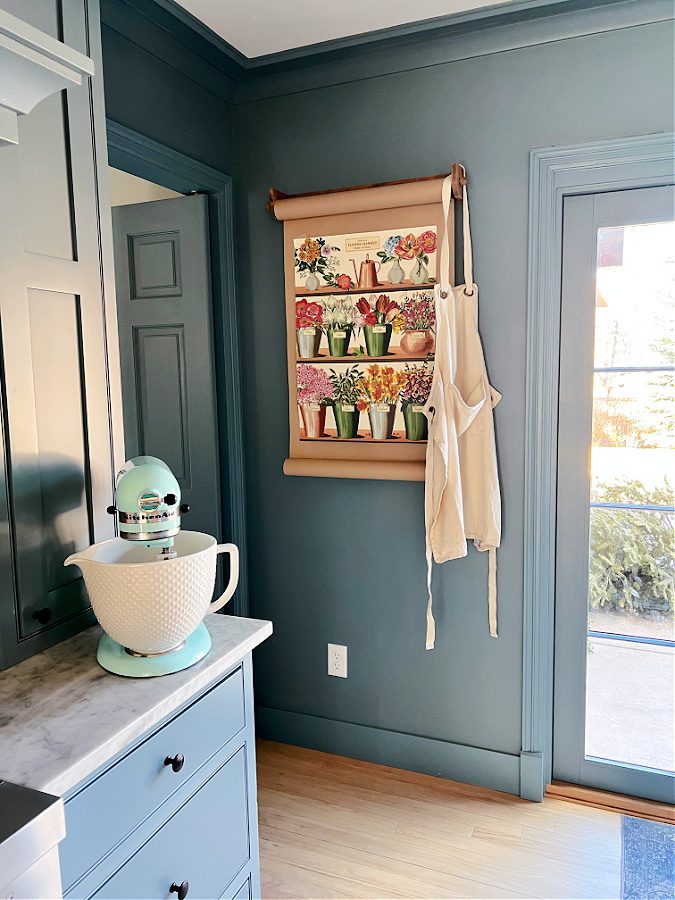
(161, 88)
(343, 561)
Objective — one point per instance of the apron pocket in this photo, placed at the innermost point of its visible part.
(466, 413)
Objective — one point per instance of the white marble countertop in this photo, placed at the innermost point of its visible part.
(62, 715)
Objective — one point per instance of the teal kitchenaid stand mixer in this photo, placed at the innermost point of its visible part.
(151, 586)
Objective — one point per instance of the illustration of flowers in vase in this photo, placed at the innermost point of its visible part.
(308, 327)
(338, 323)
(316, 257)
(395, 274)
(417, 382)
(419, 321)
(418, 248)
(378, 317)
(346, 393)
(315, 392)
(381, 388)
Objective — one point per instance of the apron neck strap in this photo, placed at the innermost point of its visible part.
(466, 233)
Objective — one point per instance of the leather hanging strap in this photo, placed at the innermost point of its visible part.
(446, 194)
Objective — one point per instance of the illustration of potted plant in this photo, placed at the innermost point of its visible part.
(346, 393)
(308, 327)
(395, 275)
(419, 320)
(414, 394)
(381, 387)
(314, 257)
(315, 392)
(378, 317)
(418, 248)
(338, 323)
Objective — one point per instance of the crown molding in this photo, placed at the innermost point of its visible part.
(509, 12)
(492, 29)
(434, 47)
(33, 65)
(194, 33)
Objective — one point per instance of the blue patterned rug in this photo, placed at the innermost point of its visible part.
(648, 860)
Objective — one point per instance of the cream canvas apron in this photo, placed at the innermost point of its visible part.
(461, 497)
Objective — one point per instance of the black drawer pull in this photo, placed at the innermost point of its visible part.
(176, 763)
(180, 889)
(42, 615)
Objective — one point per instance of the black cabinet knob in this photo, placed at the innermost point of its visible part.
(111, 510)
(180, 889)
(42, 615)
(170, 499)
(183, 508)
(176, 762)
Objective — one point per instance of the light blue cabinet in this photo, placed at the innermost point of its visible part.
(177, 808)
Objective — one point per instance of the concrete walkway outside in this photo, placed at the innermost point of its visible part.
(630, 703)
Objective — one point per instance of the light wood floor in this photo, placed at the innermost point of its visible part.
(334, 827)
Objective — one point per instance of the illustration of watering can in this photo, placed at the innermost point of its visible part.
(367, 277)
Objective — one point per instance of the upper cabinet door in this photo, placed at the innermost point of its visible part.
(58, 475)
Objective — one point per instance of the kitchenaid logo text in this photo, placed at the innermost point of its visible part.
(129, 518)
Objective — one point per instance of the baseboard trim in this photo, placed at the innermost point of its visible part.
(471, 765)
(619, 803)
(532, 776)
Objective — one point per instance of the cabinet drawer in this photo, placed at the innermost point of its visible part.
(244, 892)
(204, 843)
(123, 796)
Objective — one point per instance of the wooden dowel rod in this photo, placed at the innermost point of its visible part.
(458, 179)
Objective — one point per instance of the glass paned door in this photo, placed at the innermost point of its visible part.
(614, 724)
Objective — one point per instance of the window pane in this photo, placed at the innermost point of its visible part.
(633, 436)
(635, 289)
(631, 587)
(629, 703)
(631, 583)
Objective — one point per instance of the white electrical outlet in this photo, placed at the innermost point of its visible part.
(337, 660)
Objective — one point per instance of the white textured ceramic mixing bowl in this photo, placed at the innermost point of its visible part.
(150, 605)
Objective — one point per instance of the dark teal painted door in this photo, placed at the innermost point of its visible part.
(164, 316)
(614, 633)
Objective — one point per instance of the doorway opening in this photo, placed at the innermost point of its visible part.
(159, 261)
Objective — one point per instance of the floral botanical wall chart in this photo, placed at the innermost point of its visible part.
(360, 304)
(364, 321)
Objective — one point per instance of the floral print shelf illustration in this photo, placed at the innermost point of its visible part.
(399, 325)
(351, 262)
(368, 402)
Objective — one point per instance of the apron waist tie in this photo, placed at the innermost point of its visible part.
(492, 591)
(431, 624)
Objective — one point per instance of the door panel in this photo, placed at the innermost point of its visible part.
(56, 414)
(154, 266)
(46, 180)
(166, 345)
(161, 395)
(614, 649)
(51, 515)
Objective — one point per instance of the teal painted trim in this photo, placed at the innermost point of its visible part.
(555, 173)
(194, 33)
(439, 47)
(141, 156)
(175, 42)
(471, 765)
(531, 776)
(510, 12)
(197, 36)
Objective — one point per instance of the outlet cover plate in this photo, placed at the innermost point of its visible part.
(337, 660)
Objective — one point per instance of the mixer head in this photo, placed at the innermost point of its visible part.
(147, 503)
